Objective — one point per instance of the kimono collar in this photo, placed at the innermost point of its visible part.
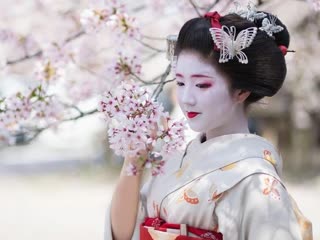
(226, 149)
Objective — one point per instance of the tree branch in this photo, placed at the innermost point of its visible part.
(159, 88)
(195, 8)
(139, 79)
(149, 46)
(83, 68)
(39, 53)
(27, 57)
(77, 35)
(212, 5)
(40, 130)
(154, 38)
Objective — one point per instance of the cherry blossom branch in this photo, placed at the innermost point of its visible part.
(163, 81)
(72, 106)
(27, 57)
(139, 79)
(38, 131)
(82, 114)
(153, 38)
(156, 78)
(212, 5)
(149, 46)
(137, 123)
(95, 74)
(151, 82)
(76, 36)
(151, 56)
(40, 52)
(195, 8)
(205, 9)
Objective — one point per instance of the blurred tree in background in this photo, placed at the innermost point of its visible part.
(58, 57)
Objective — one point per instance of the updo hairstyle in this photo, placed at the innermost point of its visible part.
(266, 69)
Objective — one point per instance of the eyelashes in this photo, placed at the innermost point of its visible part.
(200, 85)
(204, 85)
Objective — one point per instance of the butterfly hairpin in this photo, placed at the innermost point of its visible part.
(250, 13)
(270, 27)
(231, 46)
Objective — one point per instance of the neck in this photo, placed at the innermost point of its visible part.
(238, 123)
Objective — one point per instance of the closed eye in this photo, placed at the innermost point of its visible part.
(204, 85)
(180, 83)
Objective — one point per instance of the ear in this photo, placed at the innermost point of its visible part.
(241, 95)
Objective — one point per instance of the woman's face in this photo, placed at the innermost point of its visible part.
(203, 93)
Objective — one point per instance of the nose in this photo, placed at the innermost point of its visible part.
(188, 97)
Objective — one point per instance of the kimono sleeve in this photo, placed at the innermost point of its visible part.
(258, 207)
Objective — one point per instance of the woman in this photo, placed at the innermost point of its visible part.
(226, 185)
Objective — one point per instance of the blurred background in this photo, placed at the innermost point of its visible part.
(56, 180)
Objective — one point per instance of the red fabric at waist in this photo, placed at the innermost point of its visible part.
(161, 225)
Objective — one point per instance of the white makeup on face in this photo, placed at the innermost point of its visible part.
(203, 93)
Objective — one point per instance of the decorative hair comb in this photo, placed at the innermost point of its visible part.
(231, 46)
(171, 43)
(249, 13)
(270, 27)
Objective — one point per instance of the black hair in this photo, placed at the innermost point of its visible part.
(266, 69)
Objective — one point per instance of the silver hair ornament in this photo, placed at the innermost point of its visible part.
(230, 46)
(250, 13)
(270, 27)
(171, 45)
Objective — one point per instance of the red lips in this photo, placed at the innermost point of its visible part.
(192, 114)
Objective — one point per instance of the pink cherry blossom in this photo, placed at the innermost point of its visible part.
(28, 44)
(7, 35)
(20, 105)
(57, 53)
(97, 17)
(18, 45)
(137, 122)
(83, 88)
(47, 111)
(124, 26)
(123, 67)
(112, 6)
(94, 20)
(14, 111)
(22, 112)
(48, 72)
(315, 4)
(131, 170)
(174, 138)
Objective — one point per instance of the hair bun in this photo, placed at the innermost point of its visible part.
(282, 37)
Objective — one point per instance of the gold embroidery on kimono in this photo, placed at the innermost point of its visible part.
(230, 184)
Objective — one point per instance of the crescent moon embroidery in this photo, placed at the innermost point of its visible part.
(190, 196)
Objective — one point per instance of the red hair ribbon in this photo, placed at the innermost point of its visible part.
(215, 22)
(215, 19)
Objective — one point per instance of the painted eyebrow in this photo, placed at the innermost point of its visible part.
(195, 76)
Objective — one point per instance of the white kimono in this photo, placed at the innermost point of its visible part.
(228, 184)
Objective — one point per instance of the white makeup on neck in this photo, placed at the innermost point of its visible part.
(204, 97)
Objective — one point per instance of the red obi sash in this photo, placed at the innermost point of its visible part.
(160, 225)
